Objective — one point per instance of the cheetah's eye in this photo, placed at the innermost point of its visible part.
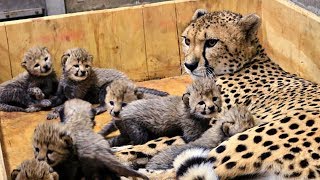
(211, 42)
(112, 103)
(214, 98)
(87, 66)
(36, 65)
(50, 151)
(46, 58)
(187, 41)
(201, 103)
(76, 65)
(37, 149)
(124, 104)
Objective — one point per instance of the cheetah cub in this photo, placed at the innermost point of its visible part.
(28, 92)
(82, 150)
(80, 80)
(188, 116)
(120, 93)
(235, 120)
(33, 169)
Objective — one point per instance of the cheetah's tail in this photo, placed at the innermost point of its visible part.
(152, 91)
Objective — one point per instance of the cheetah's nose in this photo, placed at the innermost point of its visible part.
(41, 158)
(83, 73)
(46, 67)
(191, 66)
(212, 109)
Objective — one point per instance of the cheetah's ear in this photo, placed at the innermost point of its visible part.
(90, 58)
(24, 63)
(67, 139)
(250, 24)
(138, 93)
(64, 58)
(185, 98)
(198, 13)
(15, 173)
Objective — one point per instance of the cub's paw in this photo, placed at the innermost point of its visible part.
(52, 115)
(32, 109)
(37, 93)
(45, 103)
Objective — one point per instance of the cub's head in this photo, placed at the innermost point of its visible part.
(76, 64)
(37, 61)
(34, 170)
(203, 97)
(52, 144)
(76, 113)
(219, 42)
(236, 120)
(118, 94)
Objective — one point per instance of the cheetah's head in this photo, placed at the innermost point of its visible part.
(219, 42)
(77, 64)
(37, 61)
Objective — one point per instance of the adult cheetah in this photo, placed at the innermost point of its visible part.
(225, 44)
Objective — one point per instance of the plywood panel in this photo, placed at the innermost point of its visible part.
(120, 41)
(292, 38)
(161, 40)
(4, 56)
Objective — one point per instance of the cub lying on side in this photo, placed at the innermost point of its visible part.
(28, 91)
(188, 116)
(33, 169)
(84, 153)
(120, 93)
(232, 121)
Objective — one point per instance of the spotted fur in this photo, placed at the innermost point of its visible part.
(286, 144)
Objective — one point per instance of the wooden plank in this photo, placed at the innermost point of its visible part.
(161, 40)
(4, 56)
(3, 174)
(120, 41)
(291, 38)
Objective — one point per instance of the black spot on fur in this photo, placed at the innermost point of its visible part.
(295, 149)
(293, 140)
(283, 136)
(169, 142)
(271, 132)
(257, 139)
(304, 163)
(285, 120)
(152, 145)
(288, 157)
(225, 159)
(265, 155)
(267, 143)
(248, 155)
(315, 156)
(294, 126)
(230, 165)
(317, 139)
(125, 153)
(243, 137)
(241, 148)
(310, 123)
(257, 164)
(274, 147)
(306, 144)
(188, 163)
(220, 149)
(311, 175)
(260, 129)
(302, 117)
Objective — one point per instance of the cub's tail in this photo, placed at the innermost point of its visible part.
(10, 108)
(145, 90)
(193, 164)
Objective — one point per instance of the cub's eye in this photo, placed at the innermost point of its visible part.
(36, 65)
(124, 104)
(112, 103)
(87, 66)
(214, 98)
(50, 151)
(37, 149)
(201, 103)
(187, 41)
(211, 42)
(46, 58)
(76, 65)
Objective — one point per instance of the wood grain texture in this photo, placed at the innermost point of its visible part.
(119, 36)
(161, 40)
(5, 67)
(17, 128)
(291, 37)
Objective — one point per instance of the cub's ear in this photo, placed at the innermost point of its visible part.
(64, 58)
(219, 87)
(185, 98)
(67, 139)
(138, 93)
(90, 58)
(15, 173)
(24, 63)
(198, 13)
(249, 25)
(45, 48)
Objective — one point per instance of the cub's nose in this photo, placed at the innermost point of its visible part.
(83, 73)
(191, 66)
(212, 109)
(46, 67)
(116, 113)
